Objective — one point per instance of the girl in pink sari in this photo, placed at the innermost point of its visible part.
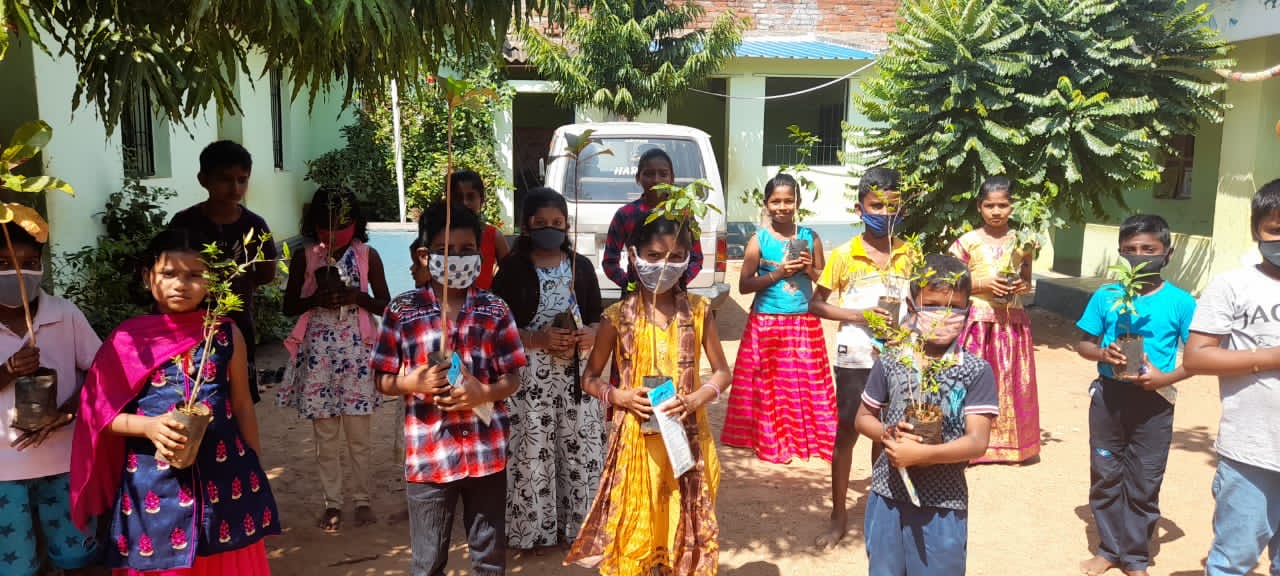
(998, 329)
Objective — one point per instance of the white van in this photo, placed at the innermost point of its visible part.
(608, 181)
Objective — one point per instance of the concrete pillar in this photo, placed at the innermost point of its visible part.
(746, 145)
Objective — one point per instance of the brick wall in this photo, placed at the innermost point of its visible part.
(811, 16)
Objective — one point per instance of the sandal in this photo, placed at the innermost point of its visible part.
(365, 516)
(330, 521)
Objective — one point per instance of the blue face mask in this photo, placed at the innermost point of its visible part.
(878, 224)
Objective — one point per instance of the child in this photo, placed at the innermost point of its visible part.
(469, 186)
(34, 464)
(999, 330)
(328, 380)
(905, 539)
(1235, 335)
(670, 523)
(653, 168)
(223, 219)
(857, 273)
(451, 452)
(212, 516)
(782, 404)
(1131, 418)
(557, 432)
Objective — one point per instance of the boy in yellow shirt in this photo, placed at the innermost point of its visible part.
(869, 266)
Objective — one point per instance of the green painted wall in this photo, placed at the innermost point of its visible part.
(1232, 161)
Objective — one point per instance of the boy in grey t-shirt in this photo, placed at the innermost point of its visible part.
(1236, 335)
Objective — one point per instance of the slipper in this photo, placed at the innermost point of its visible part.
(365, 516)
(330, 521)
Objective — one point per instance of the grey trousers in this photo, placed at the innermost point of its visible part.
(484, 514)
(1130, 430)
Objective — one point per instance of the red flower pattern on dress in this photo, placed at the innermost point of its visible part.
(185, 499)
(161, 463)
(158, 379)
(212, 490)
(122, 545)
(224, 532)
(178, 539)
(227, 405)
(221, 453)
(249, 527)
(254, 486)
(144, 546)
(131, 463)
(239, 446)
(151, 503)
(235, 488)
(266, 517)
(210, 371)
(221, 338)
(126, 505)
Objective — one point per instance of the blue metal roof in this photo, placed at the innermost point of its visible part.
(799, 50)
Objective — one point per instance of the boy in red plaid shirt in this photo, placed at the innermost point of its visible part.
(450, 452)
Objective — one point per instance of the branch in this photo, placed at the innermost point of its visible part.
(1249, 76)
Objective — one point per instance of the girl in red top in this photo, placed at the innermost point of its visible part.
(468, 186)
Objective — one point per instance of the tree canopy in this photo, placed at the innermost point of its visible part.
(188, 53)
(630, 56)
(1077, 100)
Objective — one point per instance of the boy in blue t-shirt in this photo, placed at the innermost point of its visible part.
(923, 531)
(1131, 417)
(1236, 337)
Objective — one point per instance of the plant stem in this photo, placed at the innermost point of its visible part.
(22, 289)
(448, 225)
(210, 327)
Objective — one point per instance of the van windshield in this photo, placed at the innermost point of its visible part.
(612, 177)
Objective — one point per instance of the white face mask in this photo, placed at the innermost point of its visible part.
(10, 295)
(661, 276)
(463, 269)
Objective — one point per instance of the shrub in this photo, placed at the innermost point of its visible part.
(105, 281)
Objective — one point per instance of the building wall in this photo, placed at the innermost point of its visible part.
(83, 154)
(746, 137)
(1232, 161)
(811, 16)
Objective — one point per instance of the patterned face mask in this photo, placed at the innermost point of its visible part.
(463, 269)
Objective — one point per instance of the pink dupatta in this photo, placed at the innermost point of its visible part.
(134, 350)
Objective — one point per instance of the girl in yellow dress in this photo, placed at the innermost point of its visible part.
(644, 520)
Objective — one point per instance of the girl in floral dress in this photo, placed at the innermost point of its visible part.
(556, 445)
(328, 380)
(211, 517)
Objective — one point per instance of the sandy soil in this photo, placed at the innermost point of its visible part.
(1023, 520)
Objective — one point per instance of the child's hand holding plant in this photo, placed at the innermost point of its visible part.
(166, 434)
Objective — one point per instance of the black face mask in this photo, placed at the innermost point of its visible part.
(1154, 263)
(547, 238)
(1270, 250)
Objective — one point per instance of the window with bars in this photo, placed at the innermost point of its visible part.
(277, 120)
(137, 135)
(818, 111)
(1175, 181)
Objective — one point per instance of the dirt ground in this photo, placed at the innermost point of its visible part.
(1023, 520)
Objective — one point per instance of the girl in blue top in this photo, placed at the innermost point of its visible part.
(783, 404)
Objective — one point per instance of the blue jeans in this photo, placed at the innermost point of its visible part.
(903, 540)
(42, 504)
(1246, 519)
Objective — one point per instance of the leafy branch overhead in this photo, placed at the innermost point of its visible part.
(190, 54)
(629, 56)
(1077, 100)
